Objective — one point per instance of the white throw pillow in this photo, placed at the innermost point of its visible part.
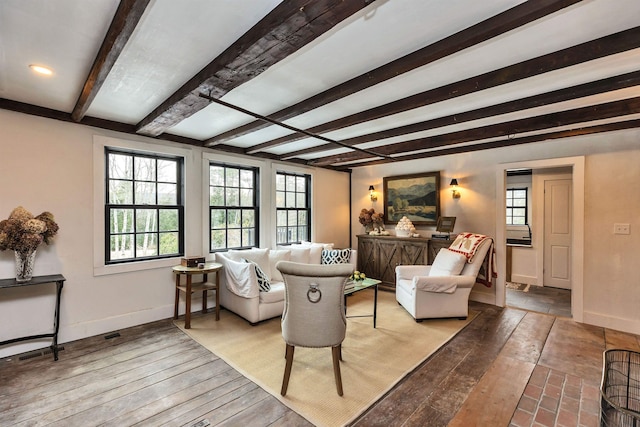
(315, 253)
(259, 256)
(276, 255)
(300, 254)
(315, 256)
(327, 246)
(447, 263)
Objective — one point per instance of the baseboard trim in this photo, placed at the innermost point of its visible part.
(616, 323)
(103, 326)
(483, 297)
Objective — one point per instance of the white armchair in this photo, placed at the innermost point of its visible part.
(443, 288)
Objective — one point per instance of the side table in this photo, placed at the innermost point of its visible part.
(190, 288)
(58, 279)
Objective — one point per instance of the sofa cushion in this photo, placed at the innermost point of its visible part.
(336, 256)
(315, 250)
(327, 246)
(276, 255)
(447, 263)
(259, 256)
(276, 294)
(264, 284)
(300, 254)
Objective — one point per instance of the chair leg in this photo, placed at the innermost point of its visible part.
(336, 367)
(287, 369)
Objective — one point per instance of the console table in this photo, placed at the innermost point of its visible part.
(58, 279)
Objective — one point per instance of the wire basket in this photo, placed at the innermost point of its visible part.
(620, 389)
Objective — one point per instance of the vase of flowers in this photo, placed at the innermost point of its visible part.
(23, 233)
(24, 265)
(357, 276)
(371, 220)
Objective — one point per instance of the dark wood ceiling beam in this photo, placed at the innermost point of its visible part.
(122, 26)
(574, 92)
(590, 130)
(288, 27)
(35, 110)
(588, 51)
(499, 24)
(530, 124)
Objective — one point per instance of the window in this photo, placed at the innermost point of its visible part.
(293, 207)
(517, 206)
(233, 207)
(144, 207)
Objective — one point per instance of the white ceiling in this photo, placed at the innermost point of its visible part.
(174, 40)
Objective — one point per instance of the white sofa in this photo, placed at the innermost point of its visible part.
(239, 287)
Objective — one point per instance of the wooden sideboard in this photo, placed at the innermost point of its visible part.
(378, 256)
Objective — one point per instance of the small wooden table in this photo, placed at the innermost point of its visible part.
(58, 279)
(190, 288)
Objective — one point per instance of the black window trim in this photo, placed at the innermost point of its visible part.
(526, 206)
(307, 177)
(180, 197)
(256, 203)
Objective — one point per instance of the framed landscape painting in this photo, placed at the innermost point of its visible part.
(415, 196)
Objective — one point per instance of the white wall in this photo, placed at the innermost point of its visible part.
(611, 297)
(48, 165)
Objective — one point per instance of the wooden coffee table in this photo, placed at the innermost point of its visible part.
(360, 286)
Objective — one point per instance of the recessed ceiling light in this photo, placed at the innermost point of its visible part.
(40, 69)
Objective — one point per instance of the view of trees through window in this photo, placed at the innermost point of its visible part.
(144, 207)
(293, 208)
(516, 206)
(233, 205)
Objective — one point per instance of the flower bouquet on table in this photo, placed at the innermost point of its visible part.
(23, 233)
(373, 222)
(356, 278)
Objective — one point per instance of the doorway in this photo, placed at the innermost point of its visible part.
(575, 257)
(539, 235)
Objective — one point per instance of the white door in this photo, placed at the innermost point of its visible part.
(557, 233)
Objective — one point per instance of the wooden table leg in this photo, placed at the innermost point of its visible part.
(187, 314)
(218, 295)
(175, 308)
(205, 278)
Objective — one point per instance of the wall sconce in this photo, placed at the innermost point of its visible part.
(454, 189)
(372, 193)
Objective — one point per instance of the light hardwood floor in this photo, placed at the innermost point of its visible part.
(508, 367)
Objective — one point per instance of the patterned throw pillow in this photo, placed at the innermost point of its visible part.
(263, 280)
(336, 256)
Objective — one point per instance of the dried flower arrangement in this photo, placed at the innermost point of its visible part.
(23, 233)
(369, 218)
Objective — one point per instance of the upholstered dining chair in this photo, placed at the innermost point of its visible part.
(442, 289)
(314, 311)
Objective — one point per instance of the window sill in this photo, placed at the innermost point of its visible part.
(104, 270)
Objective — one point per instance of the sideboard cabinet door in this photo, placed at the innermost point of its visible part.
(378, 256)
(367, 256)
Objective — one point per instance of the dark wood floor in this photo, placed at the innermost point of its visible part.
(508, 367)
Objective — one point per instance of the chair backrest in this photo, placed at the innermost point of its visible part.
(473, 268)
(314, 303)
